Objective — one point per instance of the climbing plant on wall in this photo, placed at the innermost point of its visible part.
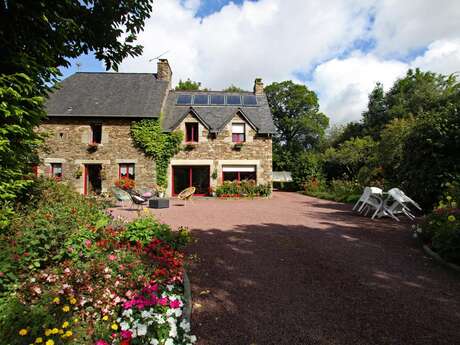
(161, 146)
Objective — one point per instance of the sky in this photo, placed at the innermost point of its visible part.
(337, 48)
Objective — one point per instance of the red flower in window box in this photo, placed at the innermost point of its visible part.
(125, 183)
(92, 147)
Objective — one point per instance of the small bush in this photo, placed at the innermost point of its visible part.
(247, 188)
(336, 190)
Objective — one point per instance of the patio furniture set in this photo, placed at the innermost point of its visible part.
(381, 203)
(154, 198)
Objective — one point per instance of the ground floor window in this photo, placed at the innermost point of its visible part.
(239, 173)
(191, 176)
(56, 171)
(126, 170)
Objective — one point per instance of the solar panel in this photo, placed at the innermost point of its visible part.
(233, 100)
(217, 99)
(249, 100)
(200, 99)
(184, 99)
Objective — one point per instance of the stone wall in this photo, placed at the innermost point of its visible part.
(218, 150)
(68, 141)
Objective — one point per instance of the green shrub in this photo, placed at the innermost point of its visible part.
(144, 228)
(441, 228)
(243, 188)
(337, 190)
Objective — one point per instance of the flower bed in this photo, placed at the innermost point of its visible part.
(95, 281)
(440, 230)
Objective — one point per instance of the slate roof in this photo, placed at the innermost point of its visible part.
(215, 117)
(108, 94)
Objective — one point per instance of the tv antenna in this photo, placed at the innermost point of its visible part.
(159, 56)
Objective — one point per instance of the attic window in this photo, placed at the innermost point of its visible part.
(191, 132)
(96, 133)
(238, 132)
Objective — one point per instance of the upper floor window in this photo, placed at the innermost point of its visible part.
(191, 132)
(126, 170)
(238, 132)
(96, 133)
(56, 171)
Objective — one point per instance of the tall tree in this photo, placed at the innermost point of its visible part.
(299, 123)
(233, 88)
(189, 85)
(375, 117)
(36, 38)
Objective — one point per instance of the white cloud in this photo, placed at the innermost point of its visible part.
(401, 26)
(442, 57)
(271, 39)
(277, 39)
(344, 84)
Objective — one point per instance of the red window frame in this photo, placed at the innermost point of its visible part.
(52, 171)
(238, 176)
(127, 165)
(239, 137)
(191, 132)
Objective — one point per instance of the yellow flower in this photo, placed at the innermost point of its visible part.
(39, 340)
(48, 332)
(23, 332)
(105, 318)
(67, 334)
(61, 331)
(65, 308)
(114, 326)
(73, 300)
(65, 324)
(54, 331)
(56, 300)
(75, 320)
(49, 342)
(451, 218)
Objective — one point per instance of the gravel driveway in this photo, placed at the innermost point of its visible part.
(298, 270)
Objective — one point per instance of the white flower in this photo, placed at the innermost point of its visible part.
(154, 342)
(146, 314)
(127, 312)
(178, 312)
(185, 325)
(169, 341)
(141, 330)
(170, 287)
(173, 331)
(193, 339)
(124, 326)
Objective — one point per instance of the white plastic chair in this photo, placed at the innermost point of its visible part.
(400, 204)
(370, 199)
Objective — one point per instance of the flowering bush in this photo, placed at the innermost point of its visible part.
(247, 188)
(95, 284)
(440, 230)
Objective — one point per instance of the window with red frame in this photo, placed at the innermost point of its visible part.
(126, 170)
(239, 173)
(56, 171)
(191, 132)
(238, 132)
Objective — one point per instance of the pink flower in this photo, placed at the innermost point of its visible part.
(126, 334)
(102, 342)
(163, 301)
(88, 245)
(112, 257)
(174, 304)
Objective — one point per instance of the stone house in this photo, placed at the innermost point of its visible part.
(227, 136)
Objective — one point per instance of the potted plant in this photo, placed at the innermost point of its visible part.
(78, 172)
(190, 146)
(238, 146)
(92, 147)
(125, 183)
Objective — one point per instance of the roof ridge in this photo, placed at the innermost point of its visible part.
(79, 72)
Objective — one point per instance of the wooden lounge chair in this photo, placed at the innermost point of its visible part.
(187, 194)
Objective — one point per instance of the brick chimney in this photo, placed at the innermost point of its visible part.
(258, 86)
(164, 70)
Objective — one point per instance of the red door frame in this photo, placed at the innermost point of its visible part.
(190, 174)
(85, 180)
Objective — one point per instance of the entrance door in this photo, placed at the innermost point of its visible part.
(188, 176)
(93, 179)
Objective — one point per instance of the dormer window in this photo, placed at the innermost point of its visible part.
(96, 133)
(191, 132)
(238, 132)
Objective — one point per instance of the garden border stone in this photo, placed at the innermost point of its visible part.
(439, 259)
(188, 298)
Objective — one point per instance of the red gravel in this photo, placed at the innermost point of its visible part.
(298, 270)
